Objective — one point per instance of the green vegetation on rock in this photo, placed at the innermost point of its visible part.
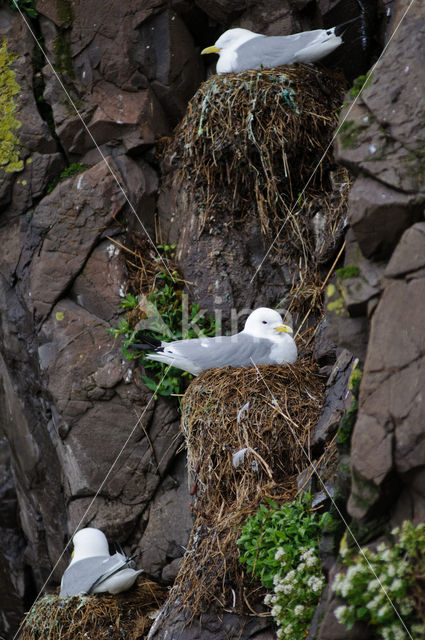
(382, 588)
(26, 6)
(360, 84)
(63, 56)
(348, 420)
(349, 271)
(169, 310)
(74, 169)
(348, 133)
(9, 88)
(280, 546)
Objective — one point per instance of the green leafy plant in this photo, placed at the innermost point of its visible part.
(9, 88)
(360, 84)
(26, 6)
(74, 169)
(173, 314)
(348, 420)
(279, 545)
(378, 586)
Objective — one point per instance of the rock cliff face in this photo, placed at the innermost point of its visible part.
(69, 401)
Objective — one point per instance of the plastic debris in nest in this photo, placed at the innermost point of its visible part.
(245, 432)
(128, 615)
(259, 142)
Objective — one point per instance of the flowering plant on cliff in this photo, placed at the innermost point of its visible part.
(379, 587)
(280, 546)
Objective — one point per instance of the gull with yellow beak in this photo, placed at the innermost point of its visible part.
(241, 49)
(264, 340)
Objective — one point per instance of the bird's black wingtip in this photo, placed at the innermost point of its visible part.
(144, 342)
(341, 28)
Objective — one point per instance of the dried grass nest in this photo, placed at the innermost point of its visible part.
(268, 414)
(97, 617)
(260, 142)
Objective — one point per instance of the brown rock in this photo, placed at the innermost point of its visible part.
(173, 64)
(59, 13)
(175, 622)
(136, 120)
(220, 264)
(378, 216)
(337, 399)
(408, 257)
(381, 136)
(162, 545)
(69, 222)
(93, 391)
(388, 435)
(222, 11)
(88, 291)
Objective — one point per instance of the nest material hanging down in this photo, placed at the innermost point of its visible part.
(99, 617)
(260, 142)
(245, 433)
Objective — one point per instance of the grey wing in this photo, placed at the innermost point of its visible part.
(80, 576)
(235, 351)
(272, 51)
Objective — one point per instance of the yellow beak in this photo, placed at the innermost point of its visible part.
(283, 328)
(212, 49)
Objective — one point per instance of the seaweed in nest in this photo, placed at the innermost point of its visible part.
(243, 448)
(259, 143)
(104, 617)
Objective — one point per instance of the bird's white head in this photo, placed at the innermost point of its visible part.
(89, 542)
(266, 323)
(230, 40)
(233, 38)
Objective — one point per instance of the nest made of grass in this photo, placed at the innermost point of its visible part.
(97, 617)
(260, 142)
(268, 412)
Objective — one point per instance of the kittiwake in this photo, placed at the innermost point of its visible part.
(93, 570)
(264, 340)
(241, 49)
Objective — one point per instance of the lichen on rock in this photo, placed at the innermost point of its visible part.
(9, 124)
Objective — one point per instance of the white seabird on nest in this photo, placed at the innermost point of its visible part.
(92, 568)
(264, 340)
(241, 49)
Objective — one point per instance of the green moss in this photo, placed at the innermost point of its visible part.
(9, 88)
(346, 425)
(63, 56)
(65, 12)
(349, 271)
(74, 169)
(360, 84)
(348, 133)
(414, 161)
(364, 495)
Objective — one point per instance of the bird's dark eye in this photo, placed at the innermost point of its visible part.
(264, 321)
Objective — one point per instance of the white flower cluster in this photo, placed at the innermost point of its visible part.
(279, 553)
(395, 632)
(316, 584)
(376, 584)
(302, 585)
(310, 558)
